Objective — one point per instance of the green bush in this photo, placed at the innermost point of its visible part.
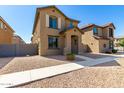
(114, 51)
(70, 56)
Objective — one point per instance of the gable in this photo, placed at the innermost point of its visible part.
(50, 10)
(72, 30)
(6, 24)
(54, 7)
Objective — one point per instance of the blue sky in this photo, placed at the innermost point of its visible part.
(21, 18)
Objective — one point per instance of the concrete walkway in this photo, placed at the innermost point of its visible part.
(14, 79)
(85, 58)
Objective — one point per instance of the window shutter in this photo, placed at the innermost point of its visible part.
(59, 23)
(0, 24)
(47, 20)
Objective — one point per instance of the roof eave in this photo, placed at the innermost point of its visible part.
(7, 24)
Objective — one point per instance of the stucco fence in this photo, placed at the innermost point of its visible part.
(12, 50)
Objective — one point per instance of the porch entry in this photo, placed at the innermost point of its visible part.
(74, 44)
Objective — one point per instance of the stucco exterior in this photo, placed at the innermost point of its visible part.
(89, 41)
(42, 31)
(97, 43)
(6, 32)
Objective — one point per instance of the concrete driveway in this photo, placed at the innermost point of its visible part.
(4, 61)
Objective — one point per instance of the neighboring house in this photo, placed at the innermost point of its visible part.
(18, 40)
(6, 32)
(55, 33)
(98, 38)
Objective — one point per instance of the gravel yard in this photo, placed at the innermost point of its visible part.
(103, 75)
(27, 63)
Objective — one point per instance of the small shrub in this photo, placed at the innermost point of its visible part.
(70, 56)
(108, 52)
(114, 51)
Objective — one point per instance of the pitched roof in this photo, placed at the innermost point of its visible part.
(86, 26)
(108, 24)
(53, 6)
(70, 29)
(100, 38)
(6, 23)
(37, 14)
(90, 25)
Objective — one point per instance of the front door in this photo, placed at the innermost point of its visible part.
(74, 44)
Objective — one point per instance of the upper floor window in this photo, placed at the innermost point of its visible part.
(95, 31)
(53, 22)
(110, 32)
(71, 24)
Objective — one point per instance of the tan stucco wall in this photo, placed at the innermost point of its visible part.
(101, 45)
(6, 36)
(44, 32)
(105, 32)
(90, 41)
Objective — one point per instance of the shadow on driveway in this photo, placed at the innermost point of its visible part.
(95, 56)
(111, 63)
(63, 58)
(5, 61)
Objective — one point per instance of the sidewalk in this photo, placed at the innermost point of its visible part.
(9, 80)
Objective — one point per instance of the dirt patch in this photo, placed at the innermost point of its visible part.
(105, 75)
(91, 77)
(27, 63)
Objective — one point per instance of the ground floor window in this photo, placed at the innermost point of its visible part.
(111, 44)
(53, 42)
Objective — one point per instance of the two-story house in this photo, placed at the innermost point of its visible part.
(98, 38)
(6, 32)
(55, 33)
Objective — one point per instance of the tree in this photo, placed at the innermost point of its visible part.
(121, 43)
